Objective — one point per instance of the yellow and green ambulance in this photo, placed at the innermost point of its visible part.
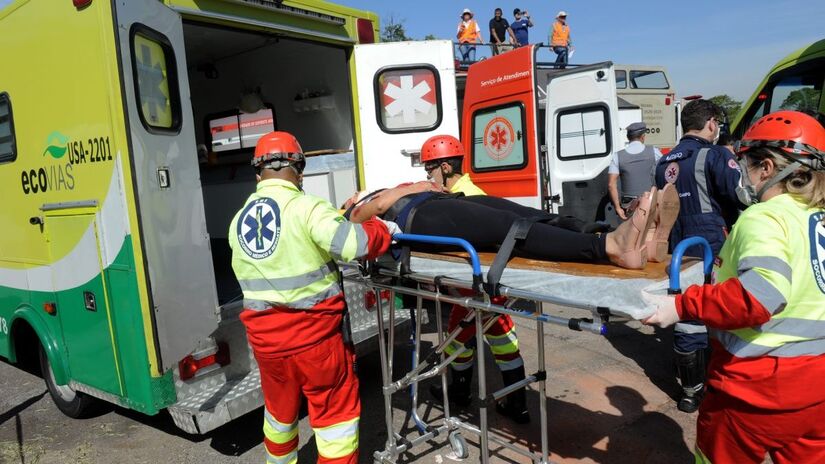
(126, 128)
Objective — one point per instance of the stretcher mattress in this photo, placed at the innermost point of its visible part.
(604, 285)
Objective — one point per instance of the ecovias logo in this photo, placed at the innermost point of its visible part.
(56, 145)
(51, 176)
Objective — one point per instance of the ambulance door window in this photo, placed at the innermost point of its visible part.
(8, 145)
(583, 133)
(408, 99)
(156, 85)
(499, 142)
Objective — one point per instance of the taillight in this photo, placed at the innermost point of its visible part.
(762, 96)
(366, 33)
(81, 3)
(667, 100)
(50, 308)
(190, 366)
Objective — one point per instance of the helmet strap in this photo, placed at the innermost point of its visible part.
(777, 178)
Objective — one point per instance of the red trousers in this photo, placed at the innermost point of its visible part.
(501, 337)
(729, 431)
(324, 375)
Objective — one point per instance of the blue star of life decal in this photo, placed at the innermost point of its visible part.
(259, 228)
(816, 232)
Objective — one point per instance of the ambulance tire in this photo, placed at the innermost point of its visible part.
(74, 404)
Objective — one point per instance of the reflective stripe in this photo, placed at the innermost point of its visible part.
(303, 303)
(770, 263)
(686, 328)
(279, 432)
(743, 349)
(337, 440)
(803, 328)
(288, 283)
(510, 365)
(701, 181)
(509, 346)
(339, 240)
(763, 291)
(291, 458)
(361, 240)
(509, 337)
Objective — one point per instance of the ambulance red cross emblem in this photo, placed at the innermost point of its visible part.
(499, 138)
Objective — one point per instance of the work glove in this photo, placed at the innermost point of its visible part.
(392, 227)
(665, 305)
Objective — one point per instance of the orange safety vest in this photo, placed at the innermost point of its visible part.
(470, 33)
(561, 35)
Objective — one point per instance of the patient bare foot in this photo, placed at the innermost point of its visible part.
(626, 245)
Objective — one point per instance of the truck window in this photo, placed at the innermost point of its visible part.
(797, 89)
(498, 138)
(8, 145)
(621, 79)
(648, 80)
(153, 65)
(582, 133)
(407, 99)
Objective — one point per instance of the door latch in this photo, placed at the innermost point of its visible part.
(90, 301)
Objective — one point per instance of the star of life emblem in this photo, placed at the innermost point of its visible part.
(259, 228)
(499, 138)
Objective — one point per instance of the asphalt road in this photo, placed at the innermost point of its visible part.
(609, 400)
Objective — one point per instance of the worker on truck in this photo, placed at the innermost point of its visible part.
(767, 307)
(442, 156)
(708, 181)
(284, 247)
(560, 39)
(634, 165)
(468, 35)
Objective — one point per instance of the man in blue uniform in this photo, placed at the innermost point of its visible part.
(708, 180)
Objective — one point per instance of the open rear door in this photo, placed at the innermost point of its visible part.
(406, 94)
(166, 176)
(582, 134)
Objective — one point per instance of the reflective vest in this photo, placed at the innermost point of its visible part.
(777, 251)
(561, 35)
(471, 32)
(466, 186)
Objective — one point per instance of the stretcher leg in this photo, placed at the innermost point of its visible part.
(482, 389)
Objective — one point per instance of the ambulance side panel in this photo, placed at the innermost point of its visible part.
(71, 237)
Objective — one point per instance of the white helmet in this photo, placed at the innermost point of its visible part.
(562, 14)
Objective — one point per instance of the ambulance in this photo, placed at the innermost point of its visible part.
(649, 88)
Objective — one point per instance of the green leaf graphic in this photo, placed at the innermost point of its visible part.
(56, 152)
(56, 145)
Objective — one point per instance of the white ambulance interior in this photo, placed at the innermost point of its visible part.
(244, 84)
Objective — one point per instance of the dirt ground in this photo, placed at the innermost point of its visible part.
(609, 400)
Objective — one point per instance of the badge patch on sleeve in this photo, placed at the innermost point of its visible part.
(733, 164)
(816, 234)
(672, 172)
(259, 228)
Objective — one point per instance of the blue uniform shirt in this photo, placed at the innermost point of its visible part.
(707, 185)
(520, 30)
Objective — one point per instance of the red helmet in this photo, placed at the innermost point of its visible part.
(277, 150)
(440, 147)
(799, 135)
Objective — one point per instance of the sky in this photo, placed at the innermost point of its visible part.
(710, 48)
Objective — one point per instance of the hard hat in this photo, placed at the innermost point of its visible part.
(439, 147)
(800, 136)
(277, 150)
(562, 14)
(466, 11)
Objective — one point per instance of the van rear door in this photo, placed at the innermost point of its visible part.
(166, 177)
(582, 128)
(406, 94)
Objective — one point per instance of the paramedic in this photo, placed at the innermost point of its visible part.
(708, 181)
(442, 156)
(560, 39)
(634, 165)
(468, 35)
(284, 246)
(767, 307)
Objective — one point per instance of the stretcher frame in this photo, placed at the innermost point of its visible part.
(435, 363)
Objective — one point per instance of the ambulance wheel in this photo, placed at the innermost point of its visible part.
(74, 404)
(459, 445)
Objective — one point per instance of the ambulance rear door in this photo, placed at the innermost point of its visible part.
(406, 94)
(582, 127)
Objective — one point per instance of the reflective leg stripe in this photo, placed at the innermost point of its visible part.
(337, 441)
(682, 327)
(278, 432)
(509, 365)
(463, 361)
(699, 456)
(758, 286)
(291, 458)
(701, 181)
(503, 344)
(287, 283)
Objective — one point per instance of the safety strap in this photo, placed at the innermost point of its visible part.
(518, 231)
(366, 198)
(406, 225)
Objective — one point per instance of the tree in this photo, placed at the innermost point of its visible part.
(394, 31)
(430, 37)
(727, 103)
(805, 100)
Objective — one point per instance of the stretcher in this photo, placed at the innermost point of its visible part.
(532, 291)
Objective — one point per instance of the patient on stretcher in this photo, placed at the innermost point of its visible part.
(484, 221)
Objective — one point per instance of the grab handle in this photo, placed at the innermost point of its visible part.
(676, 262)
(451, 241)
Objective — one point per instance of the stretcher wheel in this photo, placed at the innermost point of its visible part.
(459, 445)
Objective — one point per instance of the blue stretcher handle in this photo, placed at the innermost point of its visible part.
(453, 241)
(676, 261)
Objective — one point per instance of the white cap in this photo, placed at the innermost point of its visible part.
(466, 10)
(561, 13)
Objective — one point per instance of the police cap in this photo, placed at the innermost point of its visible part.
(636, 128)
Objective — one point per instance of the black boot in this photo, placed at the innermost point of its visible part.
(458, 391)
(691, 368)
(514, 405)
